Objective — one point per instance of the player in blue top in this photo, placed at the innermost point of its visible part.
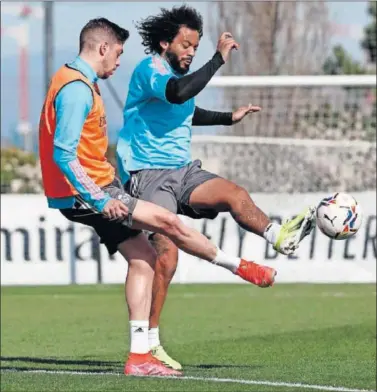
(154, 154)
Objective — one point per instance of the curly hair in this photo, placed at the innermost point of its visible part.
(165, 26)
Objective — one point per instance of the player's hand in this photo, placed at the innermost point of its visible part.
(225, 44)
(115, 209)
(243, 111)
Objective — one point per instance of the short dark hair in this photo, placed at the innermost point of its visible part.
(165, 26)
(102, 25)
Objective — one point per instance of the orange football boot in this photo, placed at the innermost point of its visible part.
(254, 273)
(147, 365)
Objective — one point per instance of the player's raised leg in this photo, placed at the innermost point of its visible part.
(149, 216)
(167, 255)
(224, 195)
(159, 220)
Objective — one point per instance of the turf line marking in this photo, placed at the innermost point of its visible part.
(206, 379)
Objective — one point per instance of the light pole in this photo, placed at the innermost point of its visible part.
(20, 33)
(48, 35)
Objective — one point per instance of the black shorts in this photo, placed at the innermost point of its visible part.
(111, 233)
(172, 188)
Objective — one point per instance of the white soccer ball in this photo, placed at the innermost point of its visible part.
(339, 216)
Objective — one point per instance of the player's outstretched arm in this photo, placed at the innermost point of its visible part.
(203, 117)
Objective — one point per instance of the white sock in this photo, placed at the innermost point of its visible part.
(231, 263)
(154, 337)
(139, 336)
(271, 233)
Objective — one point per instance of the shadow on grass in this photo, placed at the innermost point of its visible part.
(102, 366)
(223, 366)
(28, 369)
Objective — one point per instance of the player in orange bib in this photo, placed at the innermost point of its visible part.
(80, 182)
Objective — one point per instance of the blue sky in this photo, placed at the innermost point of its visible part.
(125, 13)
(66, 34)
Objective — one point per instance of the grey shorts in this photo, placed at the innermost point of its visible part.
(171, 188)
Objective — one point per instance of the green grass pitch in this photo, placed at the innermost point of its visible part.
(275, 339)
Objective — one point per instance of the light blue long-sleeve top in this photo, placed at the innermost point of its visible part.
(156, 133)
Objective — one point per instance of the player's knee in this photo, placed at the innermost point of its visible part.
(172, 226)
(146, 263)
(238, 197)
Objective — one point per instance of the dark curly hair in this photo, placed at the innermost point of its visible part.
(165, 26)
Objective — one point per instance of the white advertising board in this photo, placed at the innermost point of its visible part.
(40, 247)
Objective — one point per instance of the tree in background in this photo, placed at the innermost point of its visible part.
(369, 43)
(289, 38)
(20, 172)
(276, 37)
(341, 63)
(361, 113)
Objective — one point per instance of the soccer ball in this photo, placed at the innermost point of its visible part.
(339, 216)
